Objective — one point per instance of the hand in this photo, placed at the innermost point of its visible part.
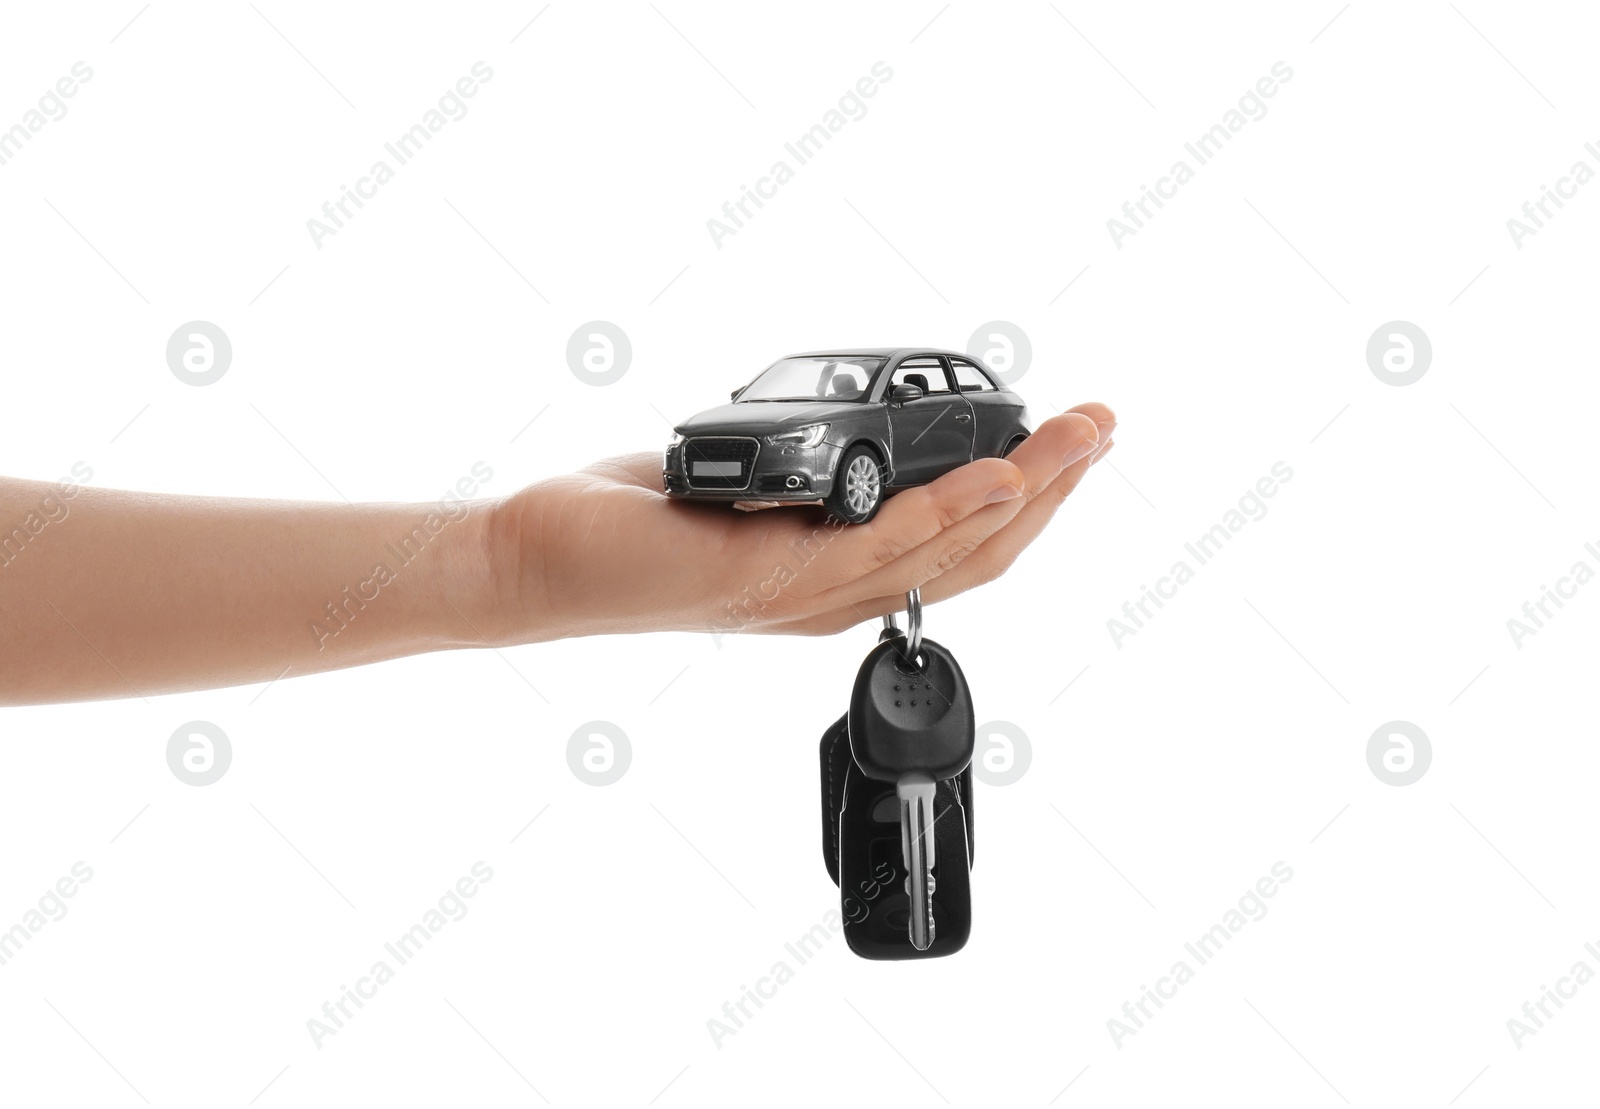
(605, 551)
(101, 587)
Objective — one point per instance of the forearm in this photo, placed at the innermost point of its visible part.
(117, 594)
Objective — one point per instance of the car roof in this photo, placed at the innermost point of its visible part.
(879, 352)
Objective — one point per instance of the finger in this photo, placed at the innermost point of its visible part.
(1105, 420)
(643, 469)
(1060, 442)
(1102, 416)
(997, 555)
(992, 558)
(835, 620)
(911, 518)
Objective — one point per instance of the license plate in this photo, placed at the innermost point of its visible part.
(717, 469)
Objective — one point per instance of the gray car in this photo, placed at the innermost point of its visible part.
(845, 428)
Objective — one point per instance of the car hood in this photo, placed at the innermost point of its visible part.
(759, 417)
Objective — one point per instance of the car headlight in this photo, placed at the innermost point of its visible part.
(674, 441)
(808, 436)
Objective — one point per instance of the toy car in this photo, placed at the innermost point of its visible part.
(845, 428)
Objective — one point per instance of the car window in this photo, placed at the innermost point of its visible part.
(969, 378)
(844, 381)
(814, 377)
(926, 372)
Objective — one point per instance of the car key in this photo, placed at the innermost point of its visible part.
(917, 845)
(911, 723)
(862, 840)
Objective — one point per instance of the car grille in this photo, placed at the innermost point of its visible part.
(720, 453)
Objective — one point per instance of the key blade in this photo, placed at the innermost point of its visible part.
(917, 845)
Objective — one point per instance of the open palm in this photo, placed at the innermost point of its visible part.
(604, 550)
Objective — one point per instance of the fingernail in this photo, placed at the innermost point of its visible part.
(1004, 493)
(1083, 450)
(1088, 438)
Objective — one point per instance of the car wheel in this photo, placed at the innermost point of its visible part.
(857, 486)
(1016, 442)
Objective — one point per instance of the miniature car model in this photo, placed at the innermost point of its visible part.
(845, 428)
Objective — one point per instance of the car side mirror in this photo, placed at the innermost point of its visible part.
(904, 392)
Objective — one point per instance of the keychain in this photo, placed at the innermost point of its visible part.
(897, 798)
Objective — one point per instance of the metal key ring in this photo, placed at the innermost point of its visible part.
(913, 625)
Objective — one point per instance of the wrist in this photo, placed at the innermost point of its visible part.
(466, 604)
(512, 605)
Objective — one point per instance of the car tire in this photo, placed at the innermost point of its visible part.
(857, 486)
(1016, 441)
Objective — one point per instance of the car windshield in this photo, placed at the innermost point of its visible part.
(814, 377)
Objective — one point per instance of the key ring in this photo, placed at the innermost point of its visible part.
(913, 625)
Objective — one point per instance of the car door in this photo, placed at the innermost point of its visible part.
(932, 434)
(995, 415)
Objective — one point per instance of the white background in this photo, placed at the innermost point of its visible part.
(1229, 734)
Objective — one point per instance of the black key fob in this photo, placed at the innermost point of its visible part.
(861, 846)
(910, 717)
